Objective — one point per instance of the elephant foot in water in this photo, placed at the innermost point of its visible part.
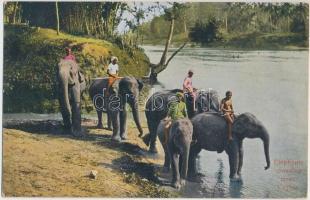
(235, 178)
(197, 177)
(176, 185)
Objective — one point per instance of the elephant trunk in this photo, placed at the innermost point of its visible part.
(64, 87)
(135, 113)
(265, 138)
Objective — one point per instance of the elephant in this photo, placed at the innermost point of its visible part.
(71, 84)
(124, 90)
(157, 107)
(177, 148)
(210, 133)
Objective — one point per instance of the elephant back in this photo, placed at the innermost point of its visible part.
(207, 101)
(210, 130)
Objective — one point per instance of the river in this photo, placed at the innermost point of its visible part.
(273, 85)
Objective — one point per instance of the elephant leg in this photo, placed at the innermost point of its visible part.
(76, 118)
(175, 166)
(240, 158)
(167, 162)
(99, 114)
(153, 136)
(116, 126)
(65, 116)
(166, 167)
(184, 165)
(123, 124)
(192, 168)
(232, 151)
(65, 111)
(76, 109)
(109, 121)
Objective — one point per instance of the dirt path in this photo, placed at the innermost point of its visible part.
(57, 165)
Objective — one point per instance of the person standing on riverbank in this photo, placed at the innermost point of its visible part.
(112, 71)
(228, 112)
(69, 55)
(188, 88)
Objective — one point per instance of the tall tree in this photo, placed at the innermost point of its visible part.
(171, 14)
(57, 18)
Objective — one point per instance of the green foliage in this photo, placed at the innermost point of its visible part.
(31, 56)
(236, 18)
(205, 33)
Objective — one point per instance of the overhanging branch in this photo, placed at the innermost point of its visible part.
(175, 53)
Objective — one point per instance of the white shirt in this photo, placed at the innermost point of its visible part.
(113, 68)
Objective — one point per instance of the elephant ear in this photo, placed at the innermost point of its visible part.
(244, 122)
(140, 84)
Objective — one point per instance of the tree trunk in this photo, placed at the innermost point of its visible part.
(14, 12)
(185, 26)
(57, 17)
(226, 27)
(168, 41)
(163, 63)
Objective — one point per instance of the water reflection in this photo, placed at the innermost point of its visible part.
(235, 189)
(219, 188)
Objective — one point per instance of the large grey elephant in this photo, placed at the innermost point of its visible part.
(157, 107)
(71, 83)
(210, 132)
(125, 90)
(177, 148)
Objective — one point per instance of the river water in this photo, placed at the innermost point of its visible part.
(273, 85)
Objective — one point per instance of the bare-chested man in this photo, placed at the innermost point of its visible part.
(228, 111)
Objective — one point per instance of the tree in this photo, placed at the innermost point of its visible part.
(205, 33)
(57, 17)
(171, 14)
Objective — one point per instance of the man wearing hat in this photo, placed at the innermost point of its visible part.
(177, 110)
(188, 86)
(112, 71)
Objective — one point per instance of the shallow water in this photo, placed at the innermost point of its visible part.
(273, 86)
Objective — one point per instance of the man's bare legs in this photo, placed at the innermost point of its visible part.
(230, 119)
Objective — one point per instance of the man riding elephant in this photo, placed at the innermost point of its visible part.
(112, 71)
(177, 110)
(71, 84)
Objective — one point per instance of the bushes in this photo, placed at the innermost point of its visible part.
(205, 33)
